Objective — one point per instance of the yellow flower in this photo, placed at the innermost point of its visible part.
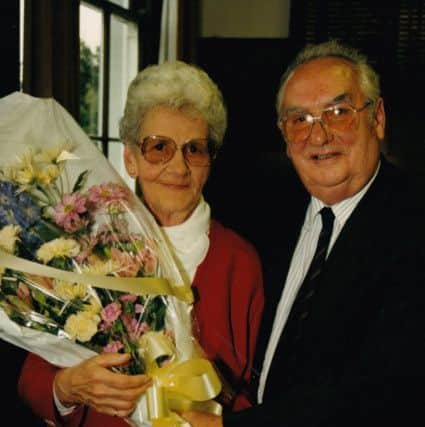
(48, 174)
(23, 171)
(25, 175)
(9, 237)
(69, 291)
(93, 306)
(82, 326)
(10, 173)
(57, 248)
(101, 268)
(49, 155)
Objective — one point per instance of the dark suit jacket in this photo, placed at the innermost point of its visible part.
(362, 357)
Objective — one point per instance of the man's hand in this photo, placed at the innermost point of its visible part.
(92, 383)
(202, 419)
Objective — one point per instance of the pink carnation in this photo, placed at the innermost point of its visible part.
(113, 347)
(148, 258)
(110, 313)
(108, 194)
(87, 243)
(139, 308)
(129, 264)
(134, 328)
(128, 297)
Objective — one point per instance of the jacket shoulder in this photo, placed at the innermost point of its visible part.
(229, 240)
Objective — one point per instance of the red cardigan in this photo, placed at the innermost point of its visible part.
(228, 309)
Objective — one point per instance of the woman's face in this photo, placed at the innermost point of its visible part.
(173, 189)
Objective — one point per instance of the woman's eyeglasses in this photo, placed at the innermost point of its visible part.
(158, 149)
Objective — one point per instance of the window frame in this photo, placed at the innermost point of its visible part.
(132, 14)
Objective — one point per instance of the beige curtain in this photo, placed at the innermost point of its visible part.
(51, 51)
(179, 30)
(168, 41)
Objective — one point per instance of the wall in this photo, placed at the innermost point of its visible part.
(245, 18)
(245, 48)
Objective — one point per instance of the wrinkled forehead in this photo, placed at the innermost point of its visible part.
(318, 82)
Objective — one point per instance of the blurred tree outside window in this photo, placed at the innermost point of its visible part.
(89, 88)
(109, 58)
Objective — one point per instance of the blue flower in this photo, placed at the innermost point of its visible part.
(17, 207)
(31, 241)
(7, 216)
(27, 212)
(7, 194)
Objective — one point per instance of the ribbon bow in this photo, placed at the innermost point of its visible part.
(177, 386)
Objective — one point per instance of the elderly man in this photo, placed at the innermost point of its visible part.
(347, 342)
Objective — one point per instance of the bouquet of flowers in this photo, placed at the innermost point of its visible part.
(83, 266)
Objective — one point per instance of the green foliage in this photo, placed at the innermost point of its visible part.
(155, 314)
(81, 181)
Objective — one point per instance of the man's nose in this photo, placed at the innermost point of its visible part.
(319, 133)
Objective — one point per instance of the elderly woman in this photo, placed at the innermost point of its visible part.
(173, 126)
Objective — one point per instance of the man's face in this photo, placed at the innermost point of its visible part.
(333, 164)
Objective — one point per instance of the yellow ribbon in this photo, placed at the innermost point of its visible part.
(184, 386)
(136, 285)
(178, 386)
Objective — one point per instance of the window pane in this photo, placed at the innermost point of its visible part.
(115, 153)
(122, 3)
(90, 69)
(123, 68)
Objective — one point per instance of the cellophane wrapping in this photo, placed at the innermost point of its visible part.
(64, 209)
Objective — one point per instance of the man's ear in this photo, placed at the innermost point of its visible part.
(379, 119)
(130, 161)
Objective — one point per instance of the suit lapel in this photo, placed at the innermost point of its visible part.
(354, 256)
(277, 256)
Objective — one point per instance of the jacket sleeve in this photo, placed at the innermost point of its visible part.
(248, 303)
(35, 387)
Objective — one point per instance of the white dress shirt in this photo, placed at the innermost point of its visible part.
(300, 262)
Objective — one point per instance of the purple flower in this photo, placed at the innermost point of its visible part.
(69, 213)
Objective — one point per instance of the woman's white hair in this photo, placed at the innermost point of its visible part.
(178, 85)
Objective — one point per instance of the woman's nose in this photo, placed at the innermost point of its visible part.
(178, 162)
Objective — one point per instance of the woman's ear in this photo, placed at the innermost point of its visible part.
(130, 161)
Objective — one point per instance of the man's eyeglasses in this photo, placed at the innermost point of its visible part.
(158, 149)
(296, 126)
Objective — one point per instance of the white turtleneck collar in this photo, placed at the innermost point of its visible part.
(189, 240)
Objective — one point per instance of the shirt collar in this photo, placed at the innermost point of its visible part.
(197, 223)
(342, 210)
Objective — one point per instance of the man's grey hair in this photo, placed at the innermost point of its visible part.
(177, 85)
(368, 78)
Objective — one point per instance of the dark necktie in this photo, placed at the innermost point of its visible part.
(284, 359)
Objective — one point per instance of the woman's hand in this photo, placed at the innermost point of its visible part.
(92, 383)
